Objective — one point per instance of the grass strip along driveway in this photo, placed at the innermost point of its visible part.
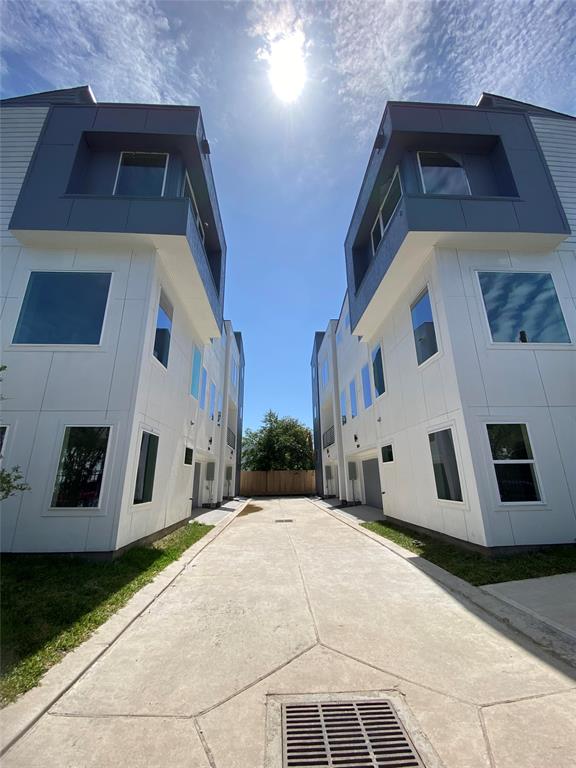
(476, 568)
(51, 604)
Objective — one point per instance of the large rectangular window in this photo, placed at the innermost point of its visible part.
(188, 456)
(196, 366)
(443, 174)
(146, 468)
(81, 467)
(212, 405)
(366, 386)
(445, 465)
(353, 403)
(523, 307)
(391, 200)
(378, 371)
(189, 193)
(141, 174)
(343, 406)
(513, 462)
(423, 325)
(203, 388)
(325, 373)
(63, 308)
(163, 330)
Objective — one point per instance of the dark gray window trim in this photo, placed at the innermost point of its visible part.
(378, 219)
(140, 152)
(436, 194)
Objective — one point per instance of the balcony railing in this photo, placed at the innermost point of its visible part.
(231, 438)
(328, 437)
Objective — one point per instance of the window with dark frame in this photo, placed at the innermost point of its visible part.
(387, 454)
(146, 468)
(446, 475)
(80, 471)
(163, 330)
(141, 174)
(188, 455)
(514, 463)
(3, 433)
(378, 371)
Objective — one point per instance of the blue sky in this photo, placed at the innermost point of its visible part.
(288, 175)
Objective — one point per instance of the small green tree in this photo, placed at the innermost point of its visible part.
(280, 443)
(11, 480)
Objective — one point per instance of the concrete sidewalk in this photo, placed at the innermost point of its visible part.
(307, 606)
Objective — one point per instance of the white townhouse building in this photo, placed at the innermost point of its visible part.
(445, 392)
(123, 384)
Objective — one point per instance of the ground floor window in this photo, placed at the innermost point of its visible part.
(445, 465)
(146, 468)
(81, 467)
(387, 454)
(513, 462)
(188, 455)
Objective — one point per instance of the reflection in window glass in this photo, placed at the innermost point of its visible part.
(63, 308)
(141, 174)
(212, 410)
(391, 200)
(196, 365)
(513, 462)
(378, 371)
(189, 193)
(366, 387)
(445, 465)
(163, 330)
(523, 307)
(442, 174)
(387, 454)
(203, 389)
(353, 403)
(343, 406)
(423, 325)
(81, 467)
(146, 468)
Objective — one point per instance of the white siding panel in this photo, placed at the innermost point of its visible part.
(19, 131)
(558, 141)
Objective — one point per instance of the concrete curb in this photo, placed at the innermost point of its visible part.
(17, 718)
(546, 636)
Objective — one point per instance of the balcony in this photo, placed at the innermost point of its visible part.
(230, 439)
(328, 438)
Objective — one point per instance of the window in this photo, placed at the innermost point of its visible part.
(325, 373)
(523, 307)
(189, 193)
(387, 454)
(212, 400)
(445, 465)
(513, 462)
(366, 387)
(220, 407)
(391, 200)
(347, 321)
(423, 325)
(442, 174)
(163, 330)
(234, 374)
(196, 365)
(188, 455)
(343, 406)
(353, 403)
(378, 371)
(81, 467)
(63, 308)
(3, 432)
(141, 174)
(338, 337)
(146, 468)
(203, 389)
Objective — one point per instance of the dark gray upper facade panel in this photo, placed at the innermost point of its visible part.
(509, 187)
(70, 184)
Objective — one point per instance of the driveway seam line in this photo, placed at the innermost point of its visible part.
(527, 698)
(305, 589)
(204, 742)
(486, 737)
(46, 709)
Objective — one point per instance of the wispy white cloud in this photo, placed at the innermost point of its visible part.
(128, 50)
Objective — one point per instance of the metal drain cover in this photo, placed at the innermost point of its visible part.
(284, 520)
(346, 734)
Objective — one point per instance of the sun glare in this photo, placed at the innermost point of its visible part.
(287, 68)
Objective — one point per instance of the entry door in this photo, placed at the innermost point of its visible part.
(372, 483)
(196, 485)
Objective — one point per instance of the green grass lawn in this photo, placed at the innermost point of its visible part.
(475, 567)
(52, 604)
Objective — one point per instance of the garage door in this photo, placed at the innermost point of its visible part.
(372, 483)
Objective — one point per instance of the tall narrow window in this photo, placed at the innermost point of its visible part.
(387, 454)
(188, 455)
(353, 403)
(146, 468)
(189, 193)
(163, 330)
(378, 371)
(63, 308)
(423, 325)
(343, 406)
(523, 307)
(212, 406)
(325, 373)
(391, 200)
(366, 387)
(445, 465)
(220, 407)
(3, 432)
(443, 174)
(141, 174)
(203, 388)
(81, 467)
(513, 462)
(196, 366)
(234, 373)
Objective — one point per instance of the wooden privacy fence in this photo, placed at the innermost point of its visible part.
(285, 482)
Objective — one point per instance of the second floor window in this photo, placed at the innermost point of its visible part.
(343, 406)
(423, 325)
(141, 174)
(391, 200)
(366, 387)
(442, 174)
(189, 193)
(378, 371)
(353, 402)
(163, 330)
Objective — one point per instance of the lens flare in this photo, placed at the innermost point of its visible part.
(287, 66)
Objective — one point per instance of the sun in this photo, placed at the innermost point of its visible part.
(287, 66)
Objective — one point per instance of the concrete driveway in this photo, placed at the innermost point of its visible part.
(305, 606)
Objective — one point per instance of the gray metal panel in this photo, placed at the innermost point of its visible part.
(65, 124)
(372, 489)
(131, 118)
(496, 214)
(88, 214)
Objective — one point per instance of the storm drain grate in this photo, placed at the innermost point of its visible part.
(284, 520)
(346, 734)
